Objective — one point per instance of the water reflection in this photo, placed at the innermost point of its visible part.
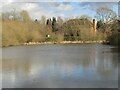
(60, 66)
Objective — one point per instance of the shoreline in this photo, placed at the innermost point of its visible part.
(67, 42)
(61, 42)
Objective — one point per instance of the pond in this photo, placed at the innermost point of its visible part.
(60, 66)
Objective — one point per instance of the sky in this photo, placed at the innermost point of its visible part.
(62, 8)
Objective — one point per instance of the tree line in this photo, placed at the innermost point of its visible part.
(19, 28)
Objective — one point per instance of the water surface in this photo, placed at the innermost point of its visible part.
(60, 66)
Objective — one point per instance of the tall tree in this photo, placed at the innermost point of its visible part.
(54, 24)
(105, 17)
(25, 15)
(105, 14)
(13, 15)
(86, 17)
(48, 22)
(43, 20)
(59, 21)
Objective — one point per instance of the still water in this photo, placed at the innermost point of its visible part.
(60, 66)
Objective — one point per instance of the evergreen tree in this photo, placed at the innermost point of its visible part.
(54, 24)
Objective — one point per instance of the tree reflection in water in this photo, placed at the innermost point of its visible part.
(96, 64)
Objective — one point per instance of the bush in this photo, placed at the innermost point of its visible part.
(114, 39)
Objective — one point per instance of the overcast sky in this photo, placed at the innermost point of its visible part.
(63, 8)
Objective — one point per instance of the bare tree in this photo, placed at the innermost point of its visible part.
(86, 17)
(43, 20)
(59, 21)
(25, 15)
(105, 14)
(106, 17)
